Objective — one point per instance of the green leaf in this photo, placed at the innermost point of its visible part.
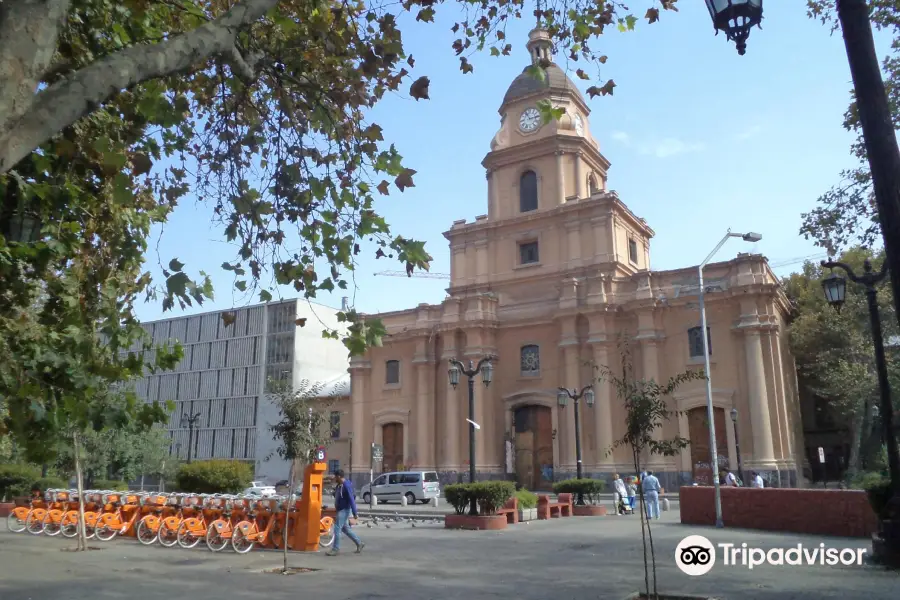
(265, 296)
(175, 265)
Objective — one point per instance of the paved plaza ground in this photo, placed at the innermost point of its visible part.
(573, 558)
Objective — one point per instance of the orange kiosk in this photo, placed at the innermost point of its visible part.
(305, 536)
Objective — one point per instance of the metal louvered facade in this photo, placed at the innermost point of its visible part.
(223, 372)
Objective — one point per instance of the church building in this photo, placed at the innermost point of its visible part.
(556, 278)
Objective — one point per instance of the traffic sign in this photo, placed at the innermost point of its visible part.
(320, 454)
(377, 452)
(821, 455)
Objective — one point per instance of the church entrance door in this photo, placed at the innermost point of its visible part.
(698, 426)
(534, 447)
(392, 440)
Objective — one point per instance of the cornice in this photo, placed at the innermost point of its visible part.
(566, 144)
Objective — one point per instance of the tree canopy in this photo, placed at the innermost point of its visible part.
(846, 214)
(834, 351)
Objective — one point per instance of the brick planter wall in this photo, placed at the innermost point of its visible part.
(589, 510)
(844, 513)
(481, 522)
(5, 509)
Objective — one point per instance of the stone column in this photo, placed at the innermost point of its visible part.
(763, 450)
(492, 190)
(450, 434)
(560, 179)
(579, 179)
(359, 379)
(573, 231)
(604, 394)
(424, 405)
(481, 261)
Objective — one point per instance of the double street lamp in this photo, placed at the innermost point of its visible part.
(190, 421)
(563, 396)
(486, 369)
(835, 288)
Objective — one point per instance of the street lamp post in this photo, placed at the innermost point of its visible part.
(350, 467)
(737, 443)
(189, 422)
(710, 414)
(487, 373)
(835, 288)
(563, 396)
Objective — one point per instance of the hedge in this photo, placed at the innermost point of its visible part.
(526, 499)
(214, 477)
(878, 489)
(16, 480)
(489, 495)
(587, 488)
(50, 483)
(113, 485)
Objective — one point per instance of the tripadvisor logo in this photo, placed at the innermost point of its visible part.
(696, 555)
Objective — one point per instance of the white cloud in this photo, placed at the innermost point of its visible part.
(660, 148)
(748, 133)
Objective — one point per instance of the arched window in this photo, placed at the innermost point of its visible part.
(528, 193)
(530, 361)
(592, 185)
(695, 342)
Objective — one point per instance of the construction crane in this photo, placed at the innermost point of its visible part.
(420, 274)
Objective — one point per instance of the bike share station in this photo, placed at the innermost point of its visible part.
(183, 520)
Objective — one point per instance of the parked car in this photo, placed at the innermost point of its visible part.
(417, 486)
(282, 489)
(260, 488)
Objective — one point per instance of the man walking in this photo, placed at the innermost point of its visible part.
(345, 505)
(650, 486)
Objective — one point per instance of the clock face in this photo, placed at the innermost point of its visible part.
(530, 120)
(579, 125)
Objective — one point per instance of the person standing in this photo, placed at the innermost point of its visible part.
(756, 480)
(729, 478)
(621, 494)
(650, 487)
(345, 505)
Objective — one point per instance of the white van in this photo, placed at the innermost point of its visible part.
(417, 486)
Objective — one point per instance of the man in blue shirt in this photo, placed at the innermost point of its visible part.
(345, 505)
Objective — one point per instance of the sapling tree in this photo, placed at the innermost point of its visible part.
(646, 412)
(303, 426)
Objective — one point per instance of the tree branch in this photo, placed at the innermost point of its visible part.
(65, 102)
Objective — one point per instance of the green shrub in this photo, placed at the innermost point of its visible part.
(50, 483)
(526, 499)
(588, 488)
(457, 494)
(214, 477)
(878, 489)
(16, 480)
(110, 485)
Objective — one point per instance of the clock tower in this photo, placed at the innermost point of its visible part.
(533, 165)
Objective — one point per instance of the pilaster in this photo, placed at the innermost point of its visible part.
(360, 372)
(573, 233)
(580, 180)
(449, 458)
(560, 180)
(425, 442)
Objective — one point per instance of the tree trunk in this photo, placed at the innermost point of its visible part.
(287, 516)
(637, 468)
(82, 532)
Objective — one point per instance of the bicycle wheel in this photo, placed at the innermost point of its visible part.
(90, 524)
(186, 536)
(145, 532)
(240, 537)
(16, 520)
(69, 524)
(104, 531)
(168, 532)
(215, 535)
(326, 536)
(34, 522)
(50, 522)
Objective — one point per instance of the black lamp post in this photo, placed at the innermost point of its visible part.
(487, 374)
(835, 288)
(563, 396)
(736, 18)
(189, 422)
(737, 443)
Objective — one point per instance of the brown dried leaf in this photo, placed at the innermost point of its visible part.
(419, 88)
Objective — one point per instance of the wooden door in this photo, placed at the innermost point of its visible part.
(698, 427)
(534, 447)
(392, 440)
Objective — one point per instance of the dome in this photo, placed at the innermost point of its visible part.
(526, 84)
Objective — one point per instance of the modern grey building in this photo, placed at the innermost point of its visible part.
(228, 358)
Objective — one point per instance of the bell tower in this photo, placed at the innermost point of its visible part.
(537, 162)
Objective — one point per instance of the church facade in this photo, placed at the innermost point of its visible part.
(552, 281)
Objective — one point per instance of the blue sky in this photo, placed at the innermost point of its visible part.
(700, 140)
